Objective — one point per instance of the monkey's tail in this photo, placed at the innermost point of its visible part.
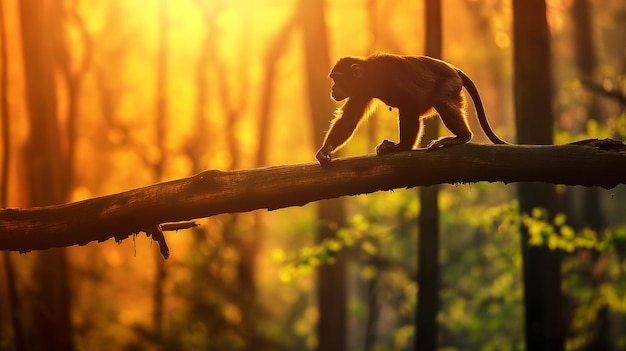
(480, 110)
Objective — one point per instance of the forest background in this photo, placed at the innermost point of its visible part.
(130, 93)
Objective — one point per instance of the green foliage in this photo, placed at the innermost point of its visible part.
(481, 274)
(557, 235)
(481, 289)
(308, 259)
(593, 279)
(366, 232)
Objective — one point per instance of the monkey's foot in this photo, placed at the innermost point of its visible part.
(432, 146)
(387, 147)
(445, 142)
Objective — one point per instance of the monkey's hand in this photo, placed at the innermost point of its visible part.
(323, 155)
(386, 147)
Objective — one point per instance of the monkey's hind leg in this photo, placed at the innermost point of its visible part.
(454, 119)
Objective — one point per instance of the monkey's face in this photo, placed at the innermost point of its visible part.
(337, 92)
(346, 76)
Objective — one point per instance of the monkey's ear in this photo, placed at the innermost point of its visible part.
(357, 70)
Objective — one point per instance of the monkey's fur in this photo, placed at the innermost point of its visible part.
(415, 85)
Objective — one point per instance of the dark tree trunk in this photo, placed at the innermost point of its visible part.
(48, 175)
(13, 296)
(331, 284)
(592, 215)
(534, 122)
(4, 113)
(428, 242)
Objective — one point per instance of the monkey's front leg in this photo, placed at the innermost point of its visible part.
(409, 129)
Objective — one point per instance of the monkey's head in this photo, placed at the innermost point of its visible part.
(346, 76)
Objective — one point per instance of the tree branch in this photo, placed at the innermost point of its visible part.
(614, 94)
(589, 163)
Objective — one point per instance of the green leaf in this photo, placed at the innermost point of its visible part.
(560, 219)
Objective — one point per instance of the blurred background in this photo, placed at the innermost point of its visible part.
(103, 96)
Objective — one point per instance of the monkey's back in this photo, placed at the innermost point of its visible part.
(411, 81)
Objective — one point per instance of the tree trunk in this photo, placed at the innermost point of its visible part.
(331, 284)
(13, 296)
(428, 245)
(592, 213)
(534, 122)
(48, 176)
(160, 125)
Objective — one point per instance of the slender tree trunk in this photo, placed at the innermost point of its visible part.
(14, 300)
(428, 242)
(592, 215)
(160, 126)
(4, 110)
(48, 177)
(331, 282)
(196, 148)
(276, 49)
(534, 122)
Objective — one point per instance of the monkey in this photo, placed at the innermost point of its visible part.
(416, 85)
